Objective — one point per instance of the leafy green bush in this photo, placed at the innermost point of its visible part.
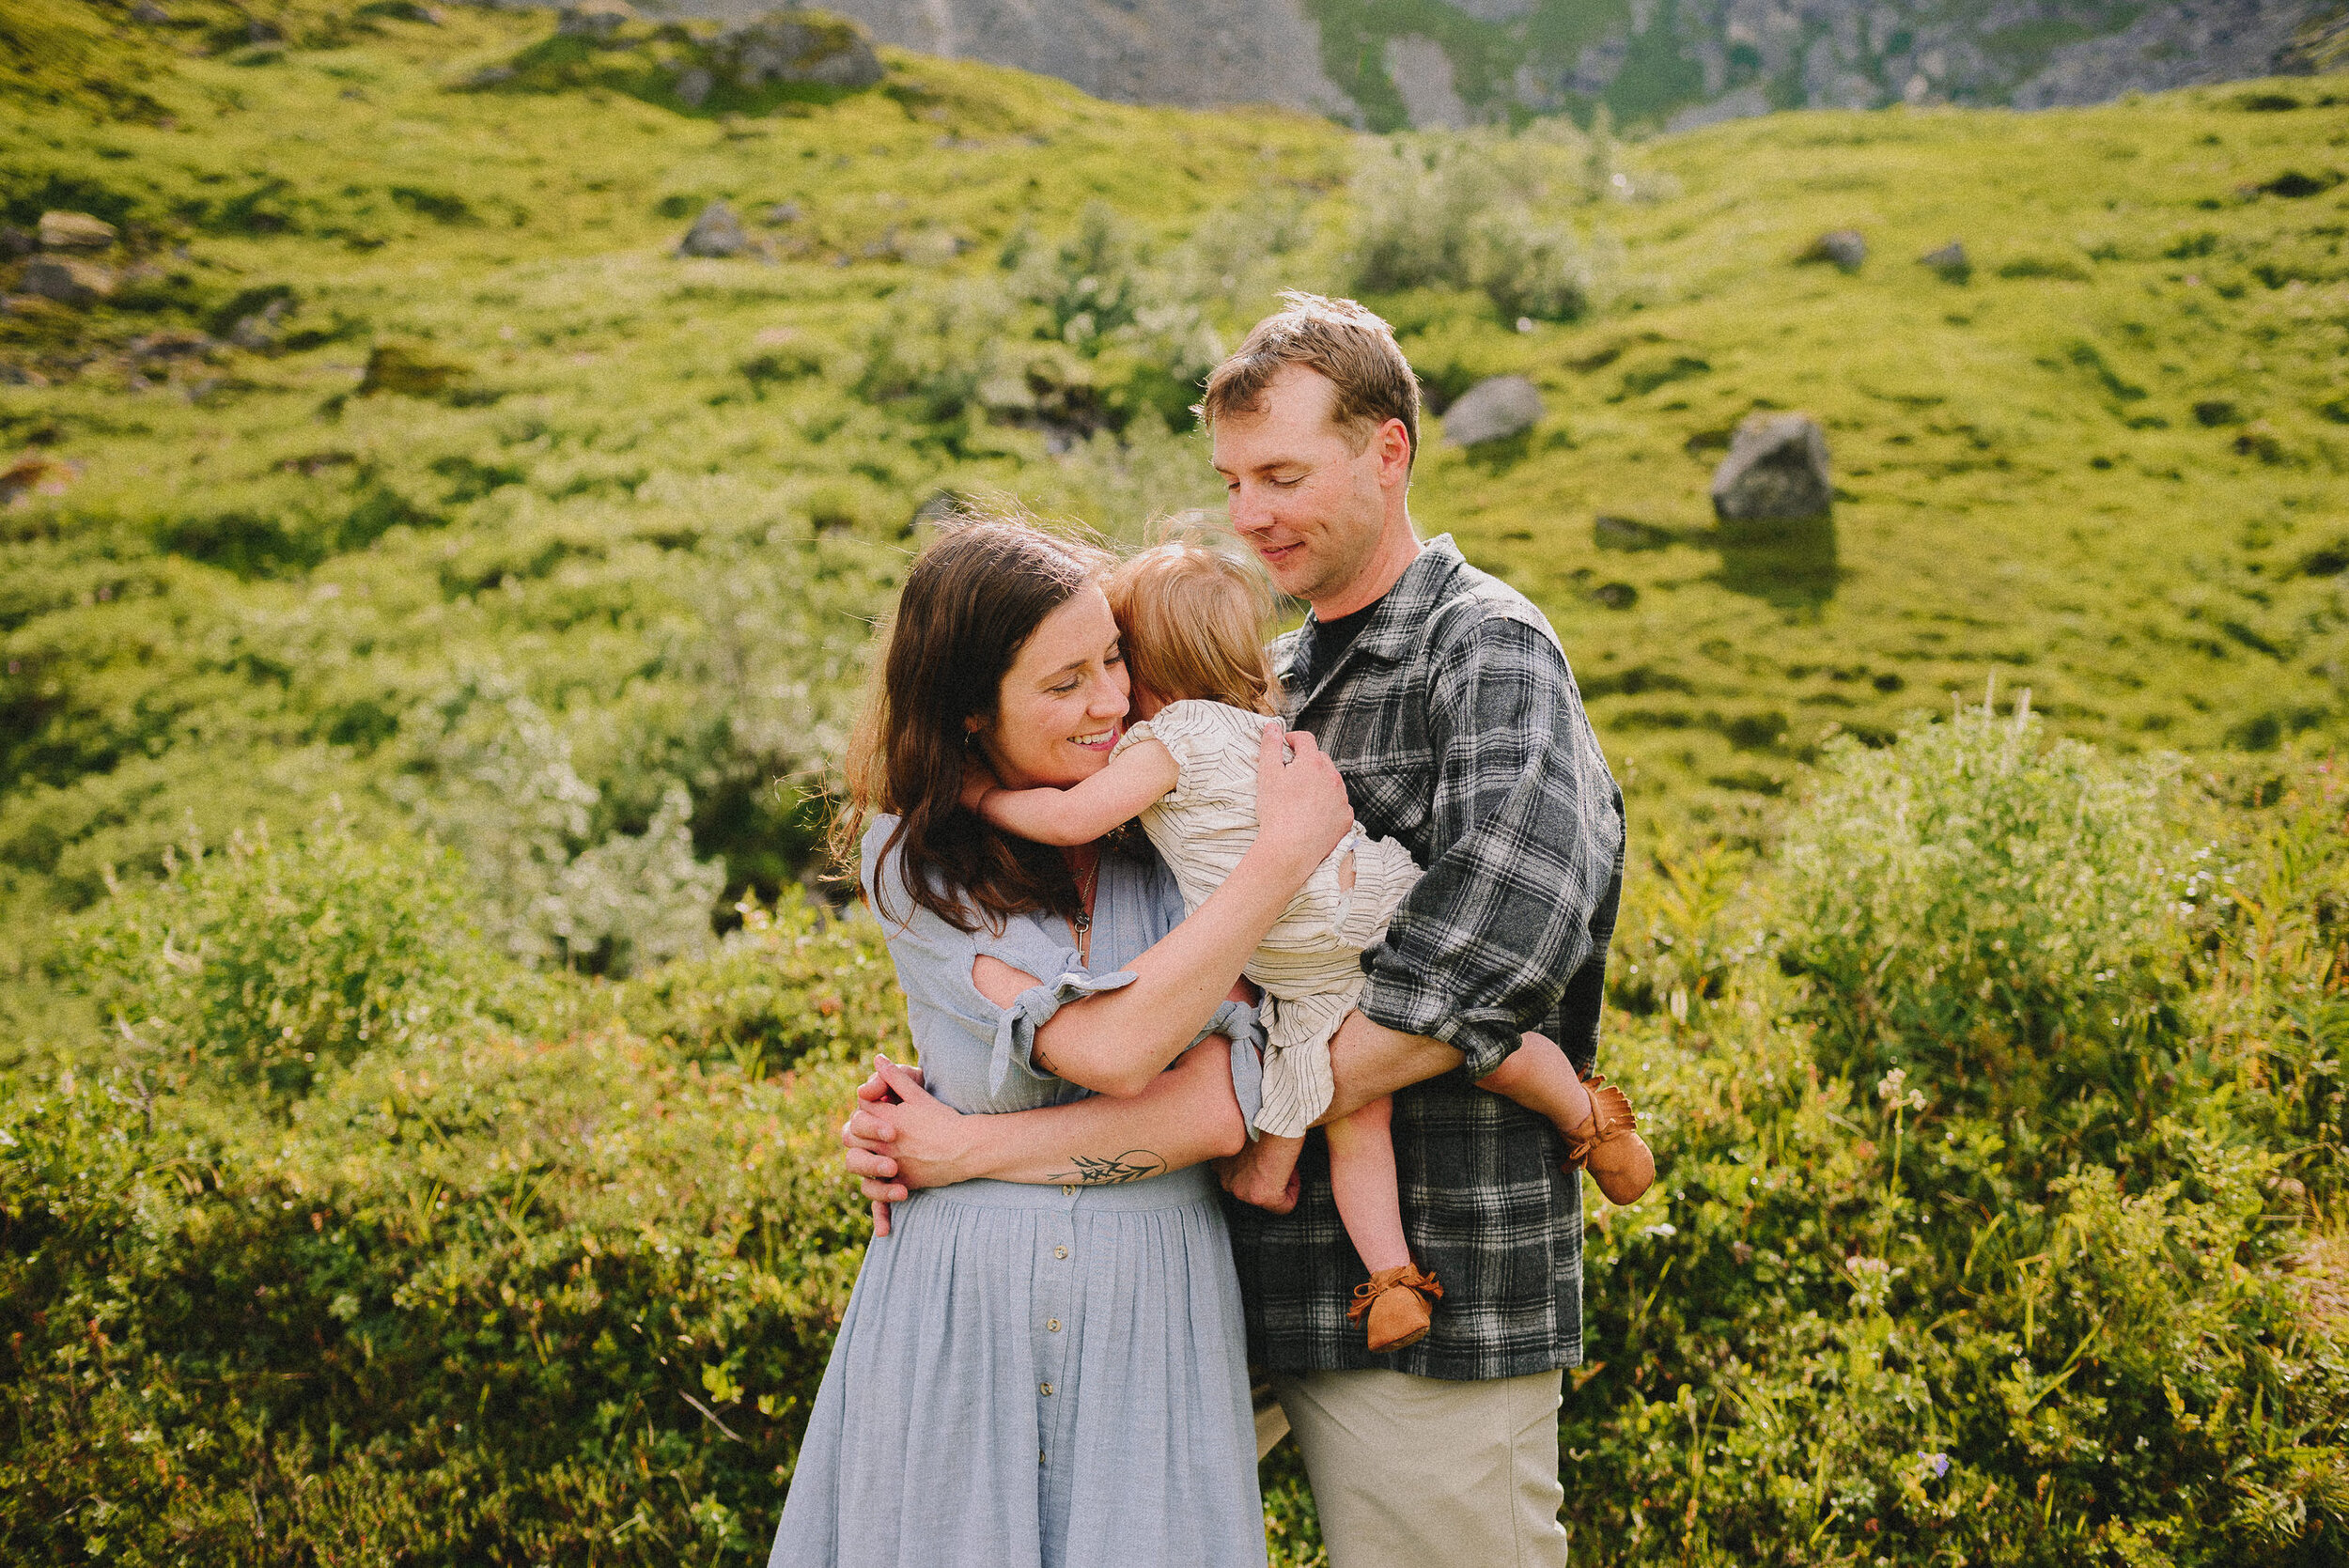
(1913, 1313)
(2002, 915)
(268, 961)
(1463, 209)
(502, 1301)
(792, 983)
(478, 1296)
(491, 774)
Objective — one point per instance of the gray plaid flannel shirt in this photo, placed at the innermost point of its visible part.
(1457, 726)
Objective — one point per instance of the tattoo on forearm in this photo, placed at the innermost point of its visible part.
(1134, 1165)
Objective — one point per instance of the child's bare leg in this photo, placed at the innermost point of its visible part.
(1363, 1179)
(1539, 1077)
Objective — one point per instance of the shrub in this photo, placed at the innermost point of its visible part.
(266, 961)
(491, 774)
(793, 982)
(2002, 913)
(1912, 1313)
(483, 1298)
(498, 1302)
(1450, 210)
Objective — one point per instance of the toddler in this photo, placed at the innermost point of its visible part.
(1193, 622)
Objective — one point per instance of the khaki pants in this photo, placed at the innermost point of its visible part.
(1419, 1472)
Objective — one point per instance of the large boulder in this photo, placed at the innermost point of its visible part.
(597, 19)
(1492, 410)
(1951, 261)
(75, 231)
(1776, 472)
(799, 47)
(1843, 247)
(716, 232)
(68, 279)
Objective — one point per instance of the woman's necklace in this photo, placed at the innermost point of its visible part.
(1084, 922)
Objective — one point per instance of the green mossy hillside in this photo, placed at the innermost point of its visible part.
(411, 465)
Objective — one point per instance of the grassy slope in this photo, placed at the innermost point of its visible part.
(251, 574)
(2031, 490)
(631, 521)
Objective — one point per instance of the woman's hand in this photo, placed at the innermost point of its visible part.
(902, 1137)
(1302, 807)
(867, 1160)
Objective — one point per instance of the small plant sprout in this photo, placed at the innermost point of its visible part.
(1894, 1089)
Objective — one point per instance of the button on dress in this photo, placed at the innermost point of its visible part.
(1047, 1375)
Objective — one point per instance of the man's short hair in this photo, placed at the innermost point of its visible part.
(1336, 339)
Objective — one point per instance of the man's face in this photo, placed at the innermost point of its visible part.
(1307, 502)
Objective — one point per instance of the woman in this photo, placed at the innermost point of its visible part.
(1070, 1297)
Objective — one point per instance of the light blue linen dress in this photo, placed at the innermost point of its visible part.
(1051, 1377)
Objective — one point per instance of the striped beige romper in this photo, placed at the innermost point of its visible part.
(1310, 962)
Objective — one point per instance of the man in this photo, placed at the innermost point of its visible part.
(1442, 695)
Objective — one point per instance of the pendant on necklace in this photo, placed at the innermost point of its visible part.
(1084, 921)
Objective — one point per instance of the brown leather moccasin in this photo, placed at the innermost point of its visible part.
(1609, 1145)
(1396, 1300)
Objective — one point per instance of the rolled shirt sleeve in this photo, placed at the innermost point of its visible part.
(1531, 841)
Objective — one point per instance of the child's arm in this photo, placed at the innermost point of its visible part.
(1083, 813)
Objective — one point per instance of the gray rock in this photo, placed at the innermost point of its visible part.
(15, 242)
(1842, 247)
(1492, 410)
(1421, 74)
(1951, 261)
(692, 87)
(150, 13)
(784, 213)
(1776, 472)
(800, 47)
(1205, 54)
(68, 279)
(74, 231)
(257, 31)
(593, 18)
(716, 232)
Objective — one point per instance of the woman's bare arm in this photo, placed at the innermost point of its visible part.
(1188, 1117)
(1139, 777)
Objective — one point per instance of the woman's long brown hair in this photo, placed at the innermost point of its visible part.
(970, 602)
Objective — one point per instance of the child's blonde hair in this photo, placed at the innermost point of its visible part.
(1194, 619)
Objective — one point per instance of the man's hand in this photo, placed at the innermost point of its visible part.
(1264, 1173)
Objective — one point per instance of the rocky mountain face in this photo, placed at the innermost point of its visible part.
(1389, 63)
